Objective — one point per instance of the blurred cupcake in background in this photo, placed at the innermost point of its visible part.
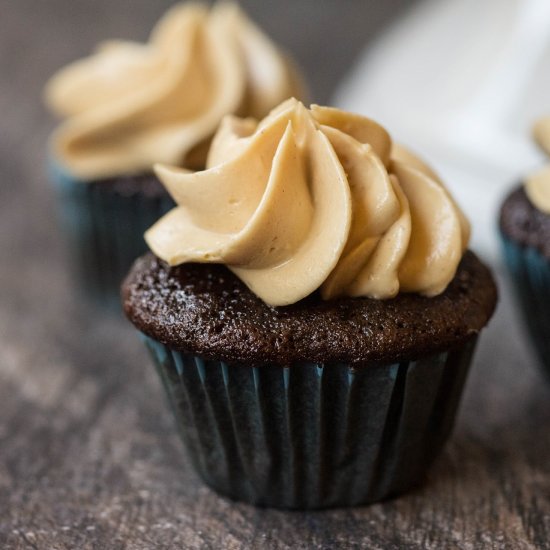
(322, 364)
(525, 232)
(130, 105)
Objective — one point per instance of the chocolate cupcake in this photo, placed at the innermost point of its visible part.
(525, 232)
(130, 105)
(311, 309)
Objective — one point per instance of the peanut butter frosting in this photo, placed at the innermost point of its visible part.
(537, 185)
(313, 198)
(130, 105)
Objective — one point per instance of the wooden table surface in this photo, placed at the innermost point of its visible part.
(89, 457)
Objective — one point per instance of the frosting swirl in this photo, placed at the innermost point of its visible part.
(310, 199)
(537, 185)
(130, 105)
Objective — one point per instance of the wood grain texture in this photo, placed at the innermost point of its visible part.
(88, 453)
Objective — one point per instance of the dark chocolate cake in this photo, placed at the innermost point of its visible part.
(128, 185)
(205, 309)
(525, 224)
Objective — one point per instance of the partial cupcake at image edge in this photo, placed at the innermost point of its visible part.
(525, 234)
(130, 105)
(311, 308)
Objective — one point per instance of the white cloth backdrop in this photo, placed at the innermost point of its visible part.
(461, 82)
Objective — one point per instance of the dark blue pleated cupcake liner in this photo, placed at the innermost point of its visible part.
(105, 232)
(530, 275)
(312, 435)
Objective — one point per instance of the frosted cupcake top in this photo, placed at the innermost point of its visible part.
(130, 105)
(313, 198)
(537, 185)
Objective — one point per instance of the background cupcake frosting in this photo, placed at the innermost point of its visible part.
(130, 105)
(537, 185)
(123, 105)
